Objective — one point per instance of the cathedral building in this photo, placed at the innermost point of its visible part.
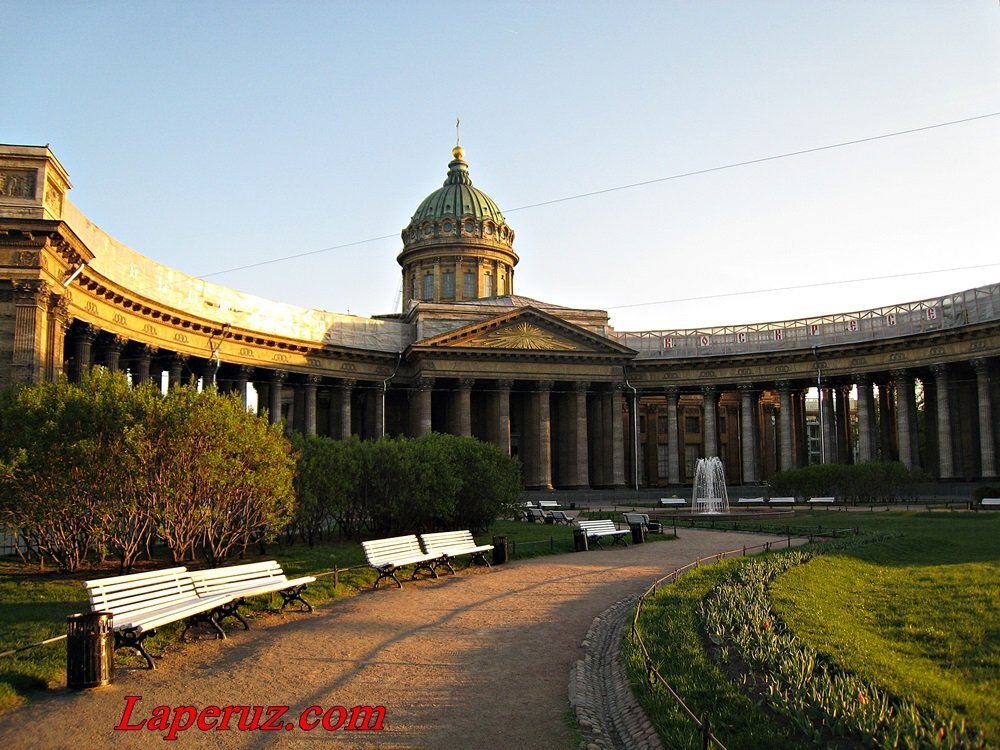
(578, 402)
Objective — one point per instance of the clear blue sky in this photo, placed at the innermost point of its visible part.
(214, 135)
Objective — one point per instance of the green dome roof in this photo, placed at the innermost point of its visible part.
(457, 197)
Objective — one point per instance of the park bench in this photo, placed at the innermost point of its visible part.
(641, 519)
(389, 555)
(559, 516)
(821, 500)
(548, 504)
(537, 514)
(597, 530)
(252, 579)
(669, 501)
(781, 501)
(990, 502)
(142, 602)
(446, 545)
(750, 501)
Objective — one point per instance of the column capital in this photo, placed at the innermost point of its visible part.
(465, 384)
(346, 384)
(980, 365)
(505, 385)
(750, 388)
(278, 377)
(243, 372)
(940, 369)
(86, 333)
(901, 375)
(423, 384)
(59, 309)
(312, 381)
(861, 378)
(581, 386)
(544, 385)
(672, 392)
(31, 292)
(709, 390)
(783, 386)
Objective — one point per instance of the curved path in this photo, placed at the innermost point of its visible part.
(479, 659)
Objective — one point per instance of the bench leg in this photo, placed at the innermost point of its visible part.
(295, 595)
(231, 610)
(385, 573)
(131, 639)
(595, 540)
(479, 557)
(438, 563)
(207, 618)
(428, 567)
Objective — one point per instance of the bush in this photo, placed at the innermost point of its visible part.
(877, 481)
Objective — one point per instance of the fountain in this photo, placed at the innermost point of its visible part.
(709, 487)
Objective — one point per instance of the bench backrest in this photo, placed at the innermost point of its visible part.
(789, 500)
(536, 513)
(559, 515)
(673, 501)
(597, 526)
(751, 500)
(548, 504)
(631, 518)
(385, 551)
(140, 592)
(822, 500)
(221, 580)
(441, 540)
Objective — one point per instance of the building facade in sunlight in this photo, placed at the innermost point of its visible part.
(580, 404)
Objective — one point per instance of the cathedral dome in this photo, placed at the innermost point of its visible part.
(457, 245)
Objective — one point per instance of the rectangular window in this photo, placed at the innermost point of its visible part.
(469, 285)
(487, 286)
(428, 286)
(663, 460)
(690, 459)
(642, 424)
(692, 425)
(661, 426)
(448, 285)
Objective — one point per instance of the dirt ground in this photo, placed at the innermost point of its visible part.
(481, 658)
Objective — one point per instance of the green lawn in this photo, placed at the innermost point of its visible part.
(917, 614)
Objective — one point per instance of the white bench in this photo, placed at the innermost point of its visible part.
(667, 501)
(448, 544)
(389, 555)
(990, 502)
(142, 602)
(548, 504)
(821, 500)
(252, 579)
(559, 516)
(781, 501)
(596, 530)
(642, 519)
(750, 501)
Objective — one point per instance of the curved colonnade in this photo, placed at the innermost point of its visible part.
(582, 405)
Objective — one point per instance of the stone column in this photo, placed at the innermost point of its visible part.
(380, 394)
(465, 406)
(143, 360)
(829, 452)
(112, 346)
(31, 302)
(421, 424)
(887, 418)
(309, 404)
(748, 435)
(175, 369)
(543, 441)
(275, 392)
(83, 343)
(673, 448)
(842, 405)
(241, 380)
(58, 324)
(710, 397)
(502, 436)
(346, 388)
(906, 434)
(617, 438)
(787, 456)
(579, 476)
(866, 419)
(987, 454)
(945, 456)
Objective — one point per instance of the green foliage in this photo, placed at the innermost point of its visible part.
(102, 466)
(879, 481)
(402, 485)
(980, 492)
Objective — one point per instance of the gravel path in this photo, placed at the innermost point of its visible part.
(483, 658)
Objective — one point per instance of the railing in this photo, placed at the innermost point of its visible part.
(980, 305)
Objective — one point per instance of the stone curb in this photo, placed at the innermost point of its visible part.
(608, 715)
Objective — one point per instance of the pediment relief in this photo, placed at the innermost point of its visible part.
(526, 329)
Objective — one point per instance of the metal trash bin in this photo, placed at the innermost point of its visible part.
(580, 540)
(638, 532)
(499, 550)
(90, 650)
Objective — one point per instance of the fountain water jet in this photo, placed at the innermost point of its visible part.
(709, 487)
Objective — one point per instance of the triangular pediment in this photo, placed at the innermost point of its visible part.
(526, 330)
